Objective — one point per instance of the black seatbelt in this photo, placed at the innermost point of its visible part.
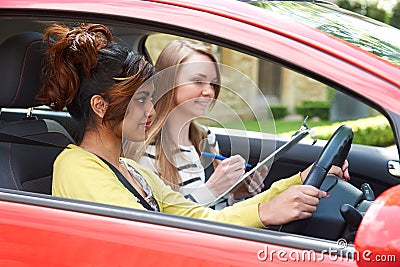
(9, 138)
(125, 182)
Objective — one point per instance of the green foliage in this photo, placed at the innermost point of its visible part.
(377, 13)
(395, 20)
(369, 9)
(331, 93)
(284, 126)
(279, 111)
(312, 109)
(374, 131)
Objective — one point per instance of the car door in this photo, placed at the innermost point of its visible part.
(47, 231)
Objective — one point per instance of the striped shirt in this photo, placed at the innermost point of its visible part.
(190, 169)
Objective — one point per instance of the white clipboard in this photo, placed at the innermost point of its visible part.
(296, 137)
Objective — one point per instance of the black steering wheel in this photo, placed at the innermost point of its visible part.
(334, 153)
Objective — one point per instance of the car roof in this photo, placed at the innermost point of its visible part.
(230, 9)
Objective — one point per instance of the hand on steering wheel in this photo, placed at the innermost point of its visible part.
(342, 172)
(295, 203)
(299, 202)
(334, 153)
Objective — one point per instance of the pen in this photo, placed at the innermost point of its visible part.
(207, 154)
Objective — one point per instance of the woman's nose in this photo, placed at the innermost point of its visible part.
(208, 90)
(150, 111)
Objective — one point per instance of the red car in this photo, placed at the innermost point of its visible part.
(293, 51)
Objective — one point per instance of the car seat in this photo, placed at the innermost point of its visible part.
(26, 167)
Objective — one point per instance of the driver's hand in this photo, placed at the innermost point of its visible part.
(295, 203)
(342, 172)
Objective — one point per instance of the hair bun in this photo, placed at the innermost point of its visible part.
(71, 53)
(84, 42)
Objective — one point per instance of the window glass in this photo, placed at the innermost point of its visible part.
(270, 90)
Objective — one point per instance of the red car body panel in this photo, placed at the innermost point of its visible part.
(380, 232)
(40, 236)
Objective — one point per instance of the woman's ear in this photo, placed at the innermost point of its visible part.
(99, 105)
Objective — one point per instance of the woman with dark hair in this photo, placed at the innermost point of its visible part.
(95, 79)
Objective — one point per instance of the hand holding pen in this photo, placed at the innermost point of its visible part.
(219, 157)
(251, 186)
(226, 174)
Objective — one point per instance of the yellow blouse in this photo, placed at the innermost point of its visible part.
(79, 174)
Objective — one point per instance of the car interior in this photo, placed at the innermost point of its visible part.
(27, 167)
(32, 136)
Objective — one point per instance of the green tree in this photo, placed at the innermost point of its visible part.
(395, 20)
(370, 10)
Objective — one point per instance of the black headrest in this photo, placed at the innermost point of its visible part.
(20, 67)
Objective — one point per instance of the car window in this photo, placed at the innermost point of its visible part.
(370, 35)
(261, 95)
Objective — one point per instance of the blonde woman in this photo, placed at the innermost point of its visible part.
(189, 83)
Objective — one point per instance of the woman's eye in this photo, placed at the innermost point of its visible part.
(141, 100)
(198, 81)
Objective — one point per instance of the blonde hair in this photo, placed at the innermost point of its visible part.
(172, 55)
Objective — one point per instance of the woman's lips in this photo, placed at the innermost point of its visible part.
(203, 103)
(147, 125)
